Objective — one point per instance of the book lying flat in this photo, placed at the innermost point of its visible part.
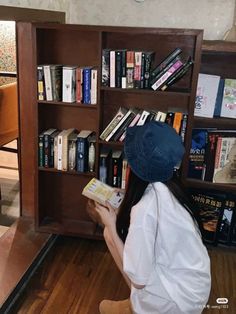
(101, 192)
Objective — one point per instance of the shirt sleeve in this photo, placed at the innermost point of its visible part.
(138, 255)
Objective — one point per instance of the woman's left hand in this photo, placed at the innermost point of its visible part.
(107, 214)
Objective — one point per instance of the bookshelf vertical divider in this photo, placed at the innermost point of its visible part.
(52, 197)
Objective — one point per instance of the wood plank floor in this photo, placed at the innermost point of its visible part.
(77, 274)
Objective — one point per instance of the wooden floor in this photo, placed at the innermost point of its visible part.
(77, 274)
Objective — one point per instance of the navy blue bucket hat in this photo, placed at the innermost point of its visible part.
(153, 150)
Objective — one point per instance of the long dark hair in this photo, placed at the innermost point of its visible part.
(135, 190)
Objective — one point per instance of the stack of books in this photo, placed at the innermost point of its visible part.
(67, 150)
(67, 83)
(124, 117)
(213, 155)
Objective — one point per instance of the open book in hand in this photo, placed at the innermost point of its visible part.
(101, 192)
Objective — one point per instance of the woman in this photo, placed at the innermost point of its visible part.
(155, 239)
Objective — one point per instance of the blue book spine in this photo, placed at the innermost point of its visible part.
(219, 98)
(82, 154)
(87, 85)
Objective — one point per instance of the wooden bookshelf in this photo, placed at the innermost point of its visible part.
(218, 58)
(54, 197)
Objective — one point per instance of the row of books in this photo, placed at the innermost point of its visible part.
(113, 167)
(67, 149)
(124, 117)
(218, 216)
(216, 97)
(213, 155)
(134, 69)
(67, 83)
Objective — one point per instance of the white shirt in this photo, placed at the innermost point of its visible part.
(164, 252)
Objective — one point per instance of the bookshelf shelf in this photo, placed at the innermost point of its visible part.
(73, 173)
(54, 197)
(224, 123)
(192, 183)
(60, 103)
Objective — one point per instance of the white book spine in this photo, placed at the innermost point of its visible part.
(48, 82)
(124, 170)
(112, 69)
(94, 75)
(68, 84)
(143, 117)
(59, 151)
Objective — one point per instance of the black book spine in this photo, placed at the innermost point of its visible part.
(142, 70)
(118, 70)
(165, 62)
(226, 223)
(149, 57)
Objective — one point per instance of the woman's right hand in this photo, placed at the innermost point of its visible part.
(93, 214)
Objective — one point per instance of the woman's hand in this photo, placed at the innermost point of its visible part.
(107, 214)
(93, 214)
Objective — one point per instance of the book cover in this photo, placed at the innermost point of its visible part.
(207, 88)
(172, 55)
(225, 160)
(101, 192)
(56, 77)
(226, 223)
(112, 124)
(72, 145)
(210, 206)
(106, 67)
(197, 154)
(228, 108)
(40, 83)
(82, 150)
(68, 83)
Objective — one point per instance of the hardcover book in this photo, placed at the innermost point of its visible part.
(82, 150)
(102, 193)
(106, 67)
(79, 85)
(48, 82)
(56, 77)
(48, 148)
(130, 69)
(41, 83)
(87, 85)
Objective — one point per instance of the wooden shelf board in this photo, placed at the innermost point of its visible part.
(72, 172)
(219, 46)
(216, 122)
(193, 183)
(147, 91)
(66, 104)
(110, 143)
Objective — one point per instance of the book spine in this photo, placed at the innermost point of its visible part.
(55, 148)
(91, 156)
(177, 121)
(130, 69)
(56, 77)
(167, 74)
(165, 62)
(123, 127)
(170, 118)
(117, 172)
(68, 85)
(226, 223)
(178, 75)
(79, 85)
(46, 150)
(143, 117)
(65, 153)
(72, 154)
(48, 82)
(147, 68)
(118, 69)
(124, 170)
(59, 152)
(123, 69)
(183, 127)
(41, 151)
(142, 70)
(119, 115)
(133, 123)
(137, 68)
(82, 154)
(41, 84)
(94, 75)
(112, 69)
(106, 67)
(103, 169)
(87, 85)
